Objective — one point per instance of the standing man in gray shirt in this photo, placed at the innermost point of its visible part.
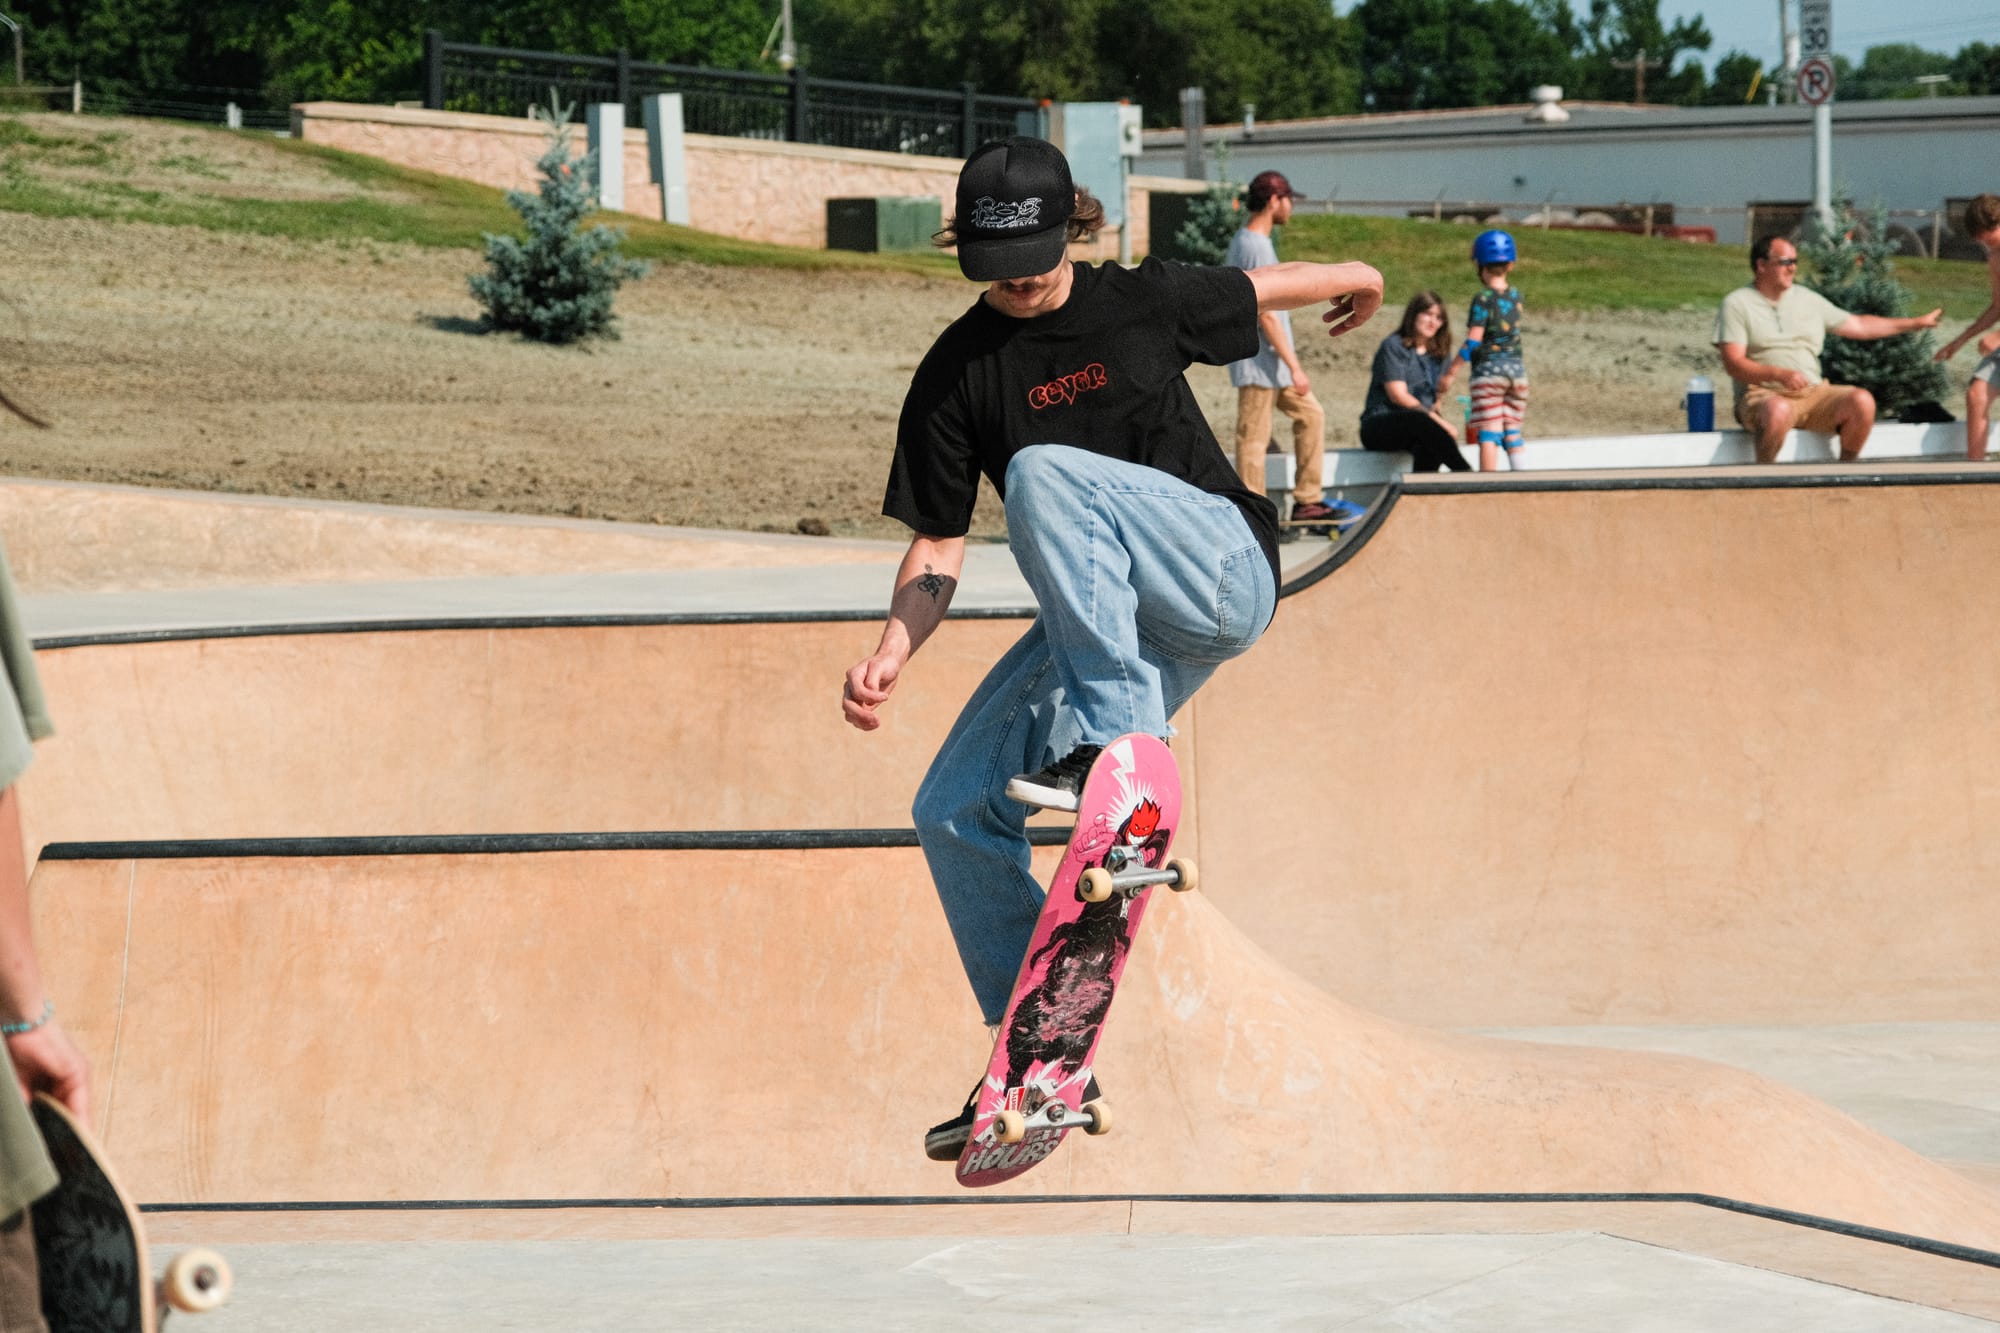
(1274, 377)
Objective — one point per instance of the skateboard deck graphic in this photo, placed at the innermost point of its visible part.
(90, 1248)
(1032, 1094)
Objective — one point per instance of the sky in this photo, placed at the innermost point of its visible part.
(1752, 25)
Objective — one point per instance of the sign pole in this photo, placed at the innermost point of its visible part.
(1815, 87)
(1823, 165)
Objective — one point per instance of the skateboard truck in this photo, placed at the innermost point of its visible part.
(1100, 882)
(1010, 1126)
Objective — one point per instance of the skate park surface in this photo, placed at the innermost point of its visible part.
(482, 922)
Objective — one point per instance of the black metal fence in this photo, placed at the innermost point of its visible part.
(795, 107)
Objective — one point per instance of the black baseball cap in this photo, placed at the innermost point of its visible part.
(1015, 197)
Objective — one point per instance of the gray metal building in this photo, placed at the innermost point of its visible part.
(1709, 162)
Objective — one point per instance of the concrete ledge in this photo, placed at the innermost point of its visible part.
(1944, 441)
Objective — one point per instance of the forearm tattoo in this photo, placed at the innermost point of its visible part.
(931, 583)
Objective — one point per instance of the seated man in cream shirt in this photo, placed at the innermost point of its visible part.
(1770, 334)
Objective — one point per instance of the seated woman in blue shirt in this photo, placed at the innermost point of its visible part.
(1412, 367)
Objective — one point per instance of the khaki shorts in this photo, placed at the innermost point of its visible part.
(20, 1288)
(1814, 408)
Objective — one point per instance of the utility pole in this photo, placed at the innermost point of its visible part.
(1788, 54)
(1638, 66)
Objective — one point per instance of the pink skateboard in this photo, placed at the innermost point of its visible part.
(1033, 1092)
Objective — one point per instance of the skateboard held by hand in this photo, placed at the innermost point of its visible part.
(90, 1247)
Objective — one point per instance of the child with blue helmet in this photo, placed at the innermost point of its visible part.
(1493, 349)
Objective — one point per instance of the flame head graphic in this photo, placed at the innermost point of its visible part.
(1143, 822)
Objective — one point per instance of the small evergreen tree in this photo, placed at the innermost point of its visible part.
(1852, 266)
(556, 284)
(1212, 219)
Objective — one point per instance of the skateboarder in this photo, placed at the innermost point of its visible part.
(1150, 562)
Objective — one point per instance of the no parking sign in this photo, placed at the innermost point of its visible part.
(1816, 81)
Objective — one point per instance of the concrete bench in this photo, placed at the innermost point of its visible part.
(1722, 448)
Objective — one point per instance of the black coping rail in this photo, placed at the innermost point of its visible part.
(1773, 478)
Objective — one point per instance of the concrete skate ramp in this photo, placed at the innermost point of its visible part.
(1722, 749)
(680, 1024)
(1711, 749)
(65, 537)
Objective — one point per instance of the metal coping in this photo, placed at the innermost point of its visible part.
(1500, 484)
(1853, 1230)
(511, 844)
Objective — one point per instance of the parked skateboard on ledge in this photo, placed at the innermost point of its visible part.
(1033, 1090)
(90, 1247)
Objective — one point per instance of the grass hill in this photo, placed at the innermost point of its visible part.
(245, 181)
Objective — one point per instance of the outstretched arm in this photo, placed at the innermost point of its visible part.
(1869, 327)
(925, 583)
(1353, 290)
(1986, 320)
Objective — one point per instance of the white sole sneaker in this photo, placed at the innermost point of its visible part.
(1030, 792)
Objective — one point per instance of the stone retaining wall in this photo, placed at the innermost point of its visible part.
(756, 189)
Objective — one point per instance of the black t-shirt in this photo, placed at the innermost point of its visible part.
(1103, 373)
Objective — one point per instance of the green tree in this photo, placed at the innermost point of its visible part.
(1891, 70)
(1976, 68)
(1212, 221)
(556, 284)
(1290, 57)
(1615, 30)
(372, 50)
(122, 47)
(1853, 266)
(1425, 54)
(1736, 76)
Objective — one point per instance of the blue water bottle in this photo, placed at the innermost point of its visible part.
(1700, 402)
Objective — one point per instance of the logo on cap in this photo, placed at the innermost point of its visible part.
(988, 214)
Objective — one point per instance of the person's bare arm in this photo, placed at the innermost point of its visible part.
(1398, 392)
(1352, 290)
(1866, 328)
(925, 583)
(44, 1058)
(1738, 365)
(1986, 320)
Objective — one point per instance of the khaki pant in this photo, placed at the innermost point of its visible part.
(1253, 436)
(20, 1288)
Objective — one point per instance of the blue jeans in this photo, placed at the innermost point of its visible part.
(1146, 585)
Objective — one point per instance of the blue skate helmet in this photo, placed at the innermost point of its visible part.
(1493, 247)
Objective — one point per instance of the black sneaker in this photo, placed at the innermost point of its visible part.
(946, 1142)
(1058, 786)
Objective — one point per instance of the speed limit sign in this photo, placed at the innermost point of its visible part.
(1815, 29)
(1816, 81)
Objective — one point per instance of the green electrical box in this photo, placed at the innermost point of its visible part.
(884, 224)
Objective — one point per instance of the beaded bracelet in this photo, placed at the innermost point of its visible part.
(29, 1025)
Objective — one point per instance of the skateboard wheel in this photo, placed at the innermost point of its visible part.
(1096, 885)
(196, 1281)
(1096, 1118)
(1009, 1126)
(1184, 873)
